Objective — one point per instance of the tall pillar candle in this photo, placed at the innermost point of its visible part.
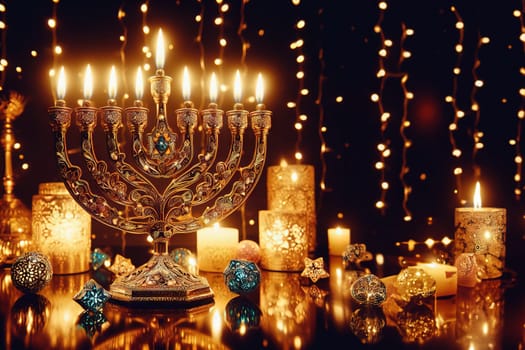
(482, 231)
(292, 188)
(338, 240)
(61, 229)
(216, 246)
(282, 240)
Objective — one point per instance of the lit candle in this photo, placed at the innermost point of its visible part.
(186, 88)
(160, 55)
(213, 91)
(61, 88)
(139, 86)
(338, 240)
(112, 87)
(216, 246)
(88, 85)
(482, 231)
(446, 277)
(237, 91)
(259, 92)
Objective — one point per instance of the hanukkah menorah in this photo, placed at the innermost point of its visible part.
(165, 189)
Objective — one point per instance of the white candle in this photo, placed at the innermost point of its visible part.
(338, 239)
(446, 277)
(482, 231)
(216, 246)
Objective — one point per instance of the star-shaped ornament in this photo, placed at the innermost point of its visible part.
(314, 269)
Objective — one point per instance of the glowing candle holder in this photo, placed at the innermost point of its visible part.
(61, 229)
(283, 240)
(292, 188)
(482, 231)
(216, 246)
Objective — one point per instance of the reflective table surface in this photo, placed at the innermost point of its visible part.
(284, 312)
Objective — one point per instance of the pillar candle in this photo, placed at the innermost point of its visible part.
(482, 231)
(216, 246)
(292, 188)
(338, 239)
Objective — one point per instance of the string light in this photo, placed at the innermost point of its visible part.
(477, 135)
(383, 147)
(516, 142)
(452, 99)
(405, 124)
(297, 47)
(3, 29)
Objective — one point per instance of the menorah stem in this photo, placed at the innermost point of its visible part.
(160, 246)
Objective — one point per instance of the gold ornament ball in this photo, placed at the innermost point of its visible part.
(31, 272)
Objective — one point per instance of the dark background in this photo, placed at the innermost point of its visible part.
(341, 59)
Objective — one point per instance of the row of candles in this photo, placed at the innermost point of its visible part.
(139, 84)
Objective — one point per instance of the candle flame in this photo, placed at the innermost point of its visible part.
(283, 163)
(161, 53)
(213, 88)
(477, 196)
(112, 87)
(139, 85)
(237, 87)
(186, 90)
(61, 84)
(88, 83)
(259, 89)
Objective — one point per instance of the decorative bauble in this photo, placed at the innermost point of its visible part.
(368, 289)
(248, 250)
(242, 276)
(31, 272)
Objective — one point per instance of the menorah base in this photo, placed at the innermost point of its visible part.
(161, 280)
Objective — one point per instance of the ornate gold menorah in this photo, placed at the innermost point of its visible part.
(165, 189)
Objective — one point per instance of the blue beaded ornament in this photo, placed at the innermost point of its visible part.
(242, 276)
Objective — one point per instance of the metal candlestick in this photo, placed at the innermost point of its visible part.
(166, 190)
(15, 217)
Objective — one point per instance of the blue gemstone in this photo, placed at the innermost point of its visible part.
(161, 145)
